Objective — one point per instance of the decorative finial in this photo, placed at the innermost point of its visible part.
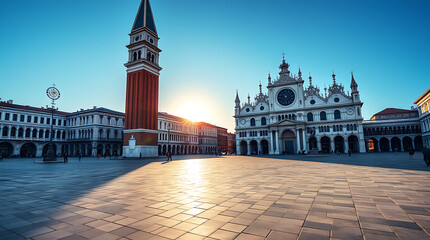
(261, 92)
(249, 99)
(300, 73)
(283, 56)
(325, 90)
(310, 79)
(334, 77)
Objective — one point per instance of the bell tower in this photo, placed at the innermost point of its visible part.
(141, 108)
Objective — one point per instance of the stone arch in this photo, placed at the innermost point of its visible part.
(100, 149)
(384, 144)
(395, 144)
(5, 131)
(323, 116)
(173, 149)
(164, 150)
(325, 144)
(373, 145)
(108, 150)
(6, 149)
(289, 145)
(45, 149)
(313, 143)
(310, 117)
(28, 150)
(353, 144)
(339, 144)
(407, 143)
(243, 148)
(264, 146)
(254, 147)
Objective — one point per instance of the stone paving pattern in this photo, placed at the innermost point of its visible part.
(366, 196)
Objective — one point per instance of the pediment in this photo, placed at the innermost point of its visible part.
(286, 122)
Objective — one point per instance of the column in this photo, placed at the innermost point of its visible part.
(389, 145)
(304, 140)
(298, 140)
(277, 142)
(346, 146)
(271, 142)
(319, 145)
(9, 131)
(332, 145)
(401, 145)
(248, 145)
(413, 143)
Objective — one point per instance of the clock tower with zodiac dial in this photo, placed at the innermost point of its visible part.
(141, 107)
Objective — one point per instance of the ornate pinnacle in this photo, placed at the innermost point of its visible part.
(269, 79)
(310, 79)
(249, 99)
(334, 77)
(261, 92)
(300, 73)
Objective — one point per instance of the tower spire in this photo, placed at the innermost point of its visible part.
(237, 100)
(261, 92)
(354, 85)
(144, 18)
(269, 79)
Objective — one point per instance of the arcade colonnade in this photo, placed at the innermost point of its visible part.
(291, 141)
(394, 143)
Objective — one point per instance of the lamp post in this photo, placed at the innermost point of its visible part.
(53, 94)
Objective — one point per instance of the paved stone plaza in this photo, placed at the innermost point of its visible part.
(366, 196)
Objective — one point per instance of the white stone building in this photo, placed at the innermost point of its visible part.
(293, 118)
(177, 135)
(423, 103)
(25, 131)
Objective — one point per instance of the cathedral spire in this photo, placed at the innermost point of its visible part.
(269, 79)
(144, 18)
(237, 100)
(354, 85)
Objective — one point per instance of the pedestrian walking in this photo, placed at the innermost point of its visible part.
(66, 159)
(411, 152)
(349, 152)
(169, 156)
(426, 154)
(80, 155)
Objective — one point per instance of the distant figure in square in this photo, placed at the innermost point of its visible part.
(349, 152)
(66, 159)
(80, 155)
(411, 152)
(426, 154)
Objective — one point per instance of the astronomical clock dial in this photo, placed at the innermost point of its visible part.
(53, 93)
(286, 97)
(350, 111)
(242, 121)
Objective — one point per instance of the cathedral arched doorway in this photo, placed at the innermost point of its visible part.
(243, 148)
(373, 145)
(395, 144)
(264, 146)
(254, 147)
(418, 141)
(28, 150)
(384, 144)
(353, 144)
(313, 143)
(339, 144)
(100, 149)
(325, 145)
(288, 142)
(6, 149)
(407, 143)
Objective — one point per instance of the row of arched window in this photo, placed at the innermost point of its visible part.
(263, 121)
(323, 116)
(42, 133)
(287, 116)
(392, 130)
(350, 127)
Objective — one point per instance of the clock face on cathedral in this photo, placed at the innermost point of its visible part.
(286, 97)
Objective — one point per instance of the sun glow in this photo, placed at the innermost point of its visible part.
(192, 111)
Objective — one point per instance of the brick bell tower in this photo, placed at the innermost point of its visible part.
(141, 107)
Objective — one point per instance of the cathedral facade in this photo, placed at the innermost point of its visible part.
(293, 118)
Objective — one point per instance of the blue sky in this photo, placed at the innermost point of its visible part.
(211, 48)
